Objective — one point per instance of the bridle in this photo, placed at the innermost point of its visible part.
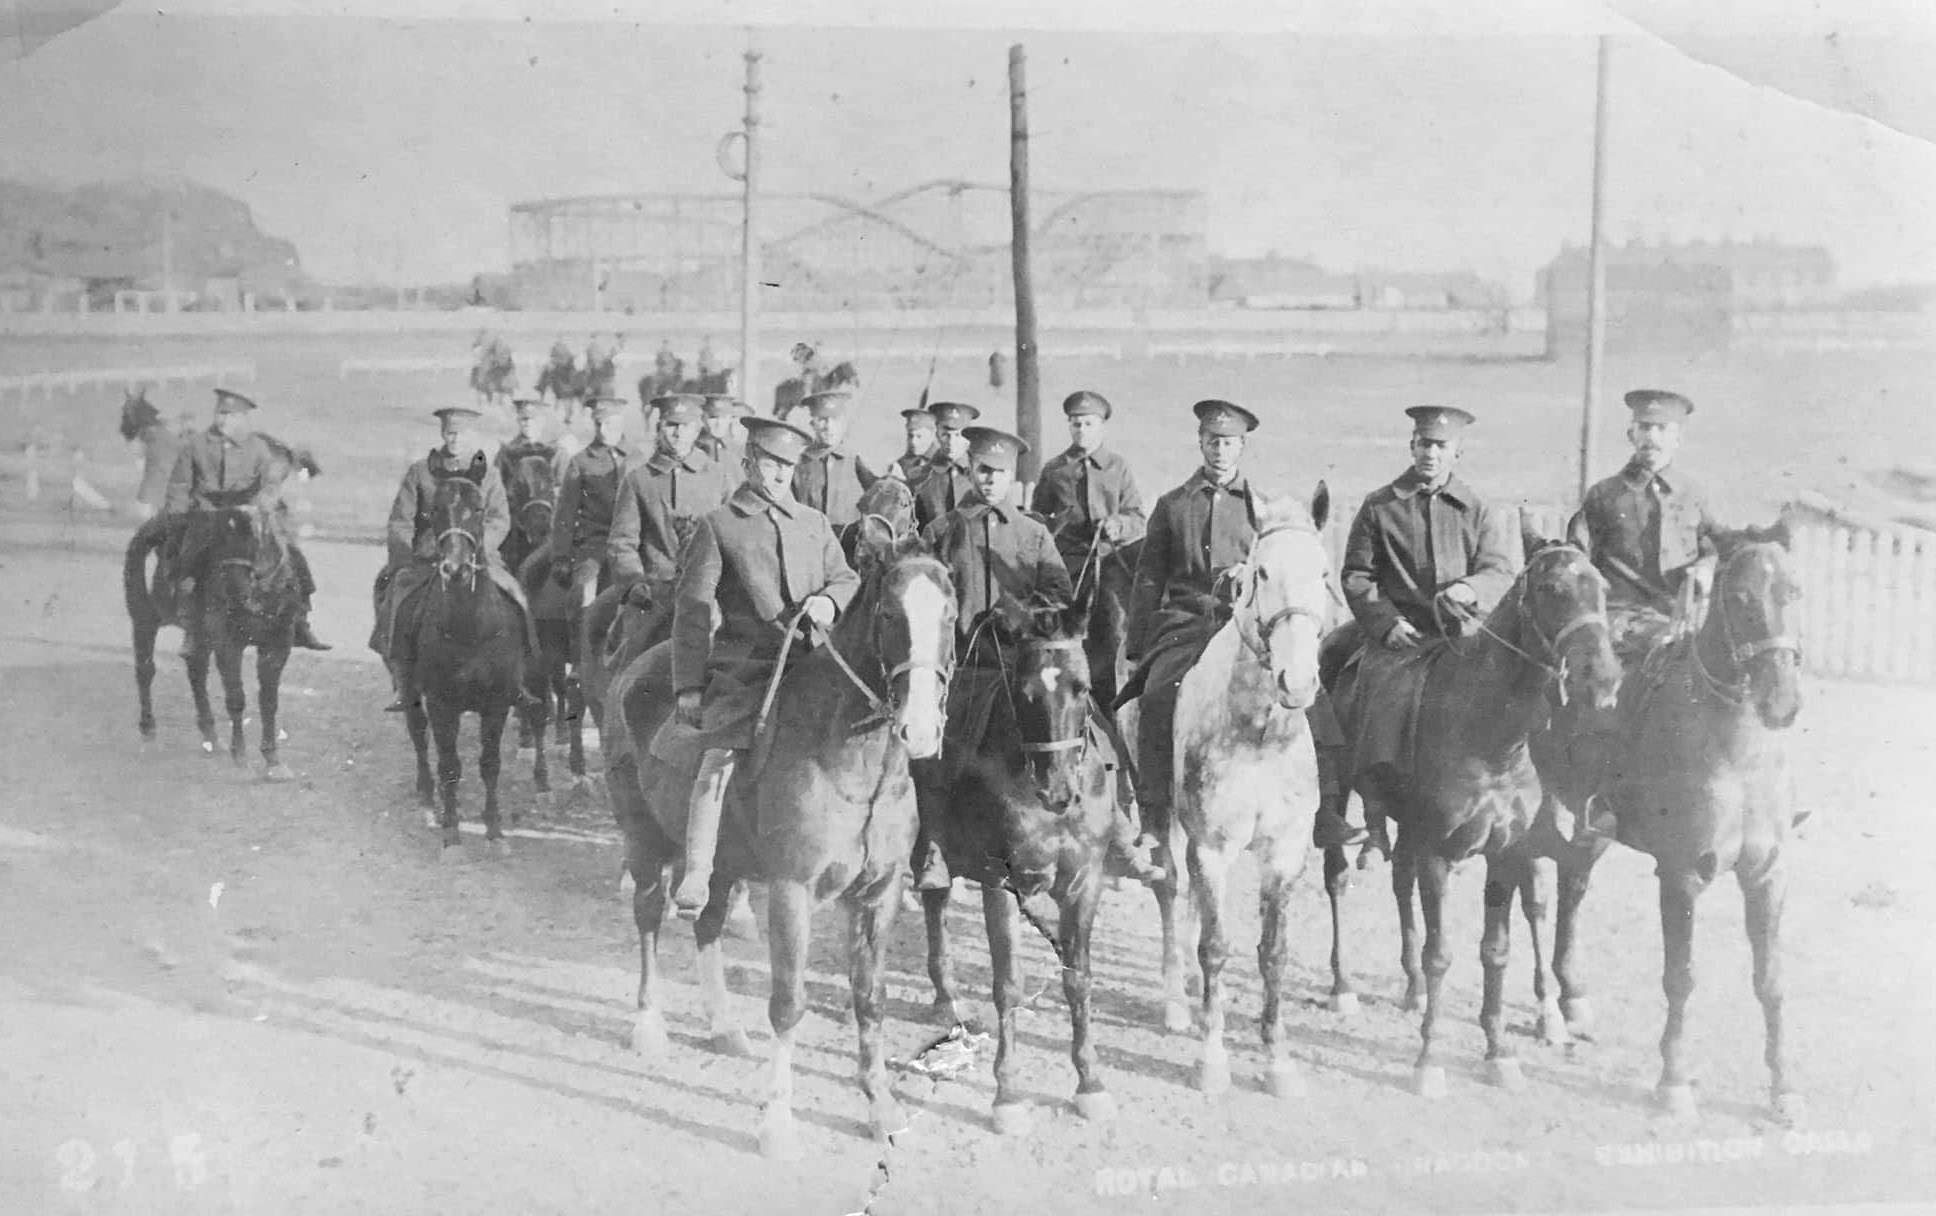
(471, 562)
(1739, 654)
(1260, 646)
(1554, 664)
(1079, 743)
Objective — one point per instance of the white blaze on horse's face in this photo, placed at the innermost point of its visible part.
(923, 712)
(1283, 614)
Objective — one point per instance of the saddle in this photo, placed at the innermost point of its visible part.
(1377, 692)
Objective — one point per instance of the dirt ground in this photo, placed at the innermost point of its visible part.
(226, 996)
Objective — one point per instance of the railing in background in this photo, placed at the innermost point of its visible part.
(73, 380)
(1868, 606)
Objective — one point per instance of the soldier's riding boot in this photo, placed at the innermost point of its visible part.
(703, 811)
(303, 635)
(1331, 830)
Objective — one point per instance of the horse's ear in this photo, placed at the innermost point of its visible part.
(1728, 540)
(1074, 621)
(875, 536)
(1530, 539)
(1321, 505)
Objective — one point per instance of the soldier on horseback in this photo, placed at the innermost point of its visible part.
(829, 478)
(1087, 493)
(529, 441)
(916, 461)
(753, 565)
(1650, 530)
(1197, 532)
(412, 542)
(947, 483)
(227, 460)
(720, 439)
(583, 523)
(1005, 569)
(659, 503)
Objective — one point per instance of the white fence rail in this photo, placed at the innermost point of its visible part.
(72, 380)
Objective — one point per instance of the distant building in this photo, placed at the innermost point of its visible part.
(1753, 276)
(1452, 289)
(1280, 282)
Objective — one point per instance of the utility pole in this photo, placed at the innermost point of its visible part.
(1596, 289)
(1028, 405)
(749, 288)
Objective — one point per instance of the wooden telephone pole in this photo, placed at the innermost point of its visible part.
(1596, 274)
(1028, 404)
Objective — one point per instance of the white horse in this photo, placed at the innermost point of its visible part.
(1246, 772)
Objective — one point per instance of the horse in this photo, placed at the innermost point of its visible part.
(562, 382)
(1029, 818)
(556, 680)
(1246, 774)
(494, 375)
(141, 423)
(1473, 789)
(822, 810)
(1112, 570)
(1697, 778)
(469, 658)
(531, 492)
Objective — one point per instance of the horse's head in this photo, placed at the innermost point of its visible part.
(1281, 596)
(244, 551)
(1050, 693)
(912, 627)
(1560, 611)
(533, 497)
(1752, 618)
(137, 414)
(457, 514)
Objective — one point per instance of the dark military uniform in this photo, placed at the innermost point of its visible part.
(1078, 493)
(212, 469)
(1645, 530)
(659, 504)
(582, 525)
(1408, 544)
(412, 539)
(753, 561)
(946, 487)
(831, 481)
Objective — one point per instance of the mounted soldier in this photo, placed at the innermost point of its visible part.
(1426, 559)
(660, 502)
(226, 460)
(916, 460)
(948, 482)
(412, 540)
(829, 478)
(530, 468)
(721, 438)
(587, 498)
(529, 441)
(1197, 533)
(1650, 530)
(601, 368)
(754, 566)
(1087, 492)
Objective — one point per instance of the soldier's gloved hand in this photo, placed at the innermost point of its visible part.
(561, 573)
(1461, 595)
(821, 610)
(688, 708)
(1113, 529)
(1401, 636)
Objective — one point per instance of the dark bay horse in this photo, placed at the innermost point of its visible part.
(1029, 818)
(494, 375)
(554, 680)
(471, 657)
(1699, 781)
(822, 810)
(1473, 789)
(531, 493)
(1246, 772)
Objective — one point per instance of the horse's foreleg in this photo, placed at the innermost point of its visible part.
(1763, 897)
(228, 664)
(1003, 918)
(1504, 875)
(1433, 872)
(1176, 996)
(870, 916)
(1273, 957)
(269, 666)
(650, 874)
(533, 719)
(723, 1028)
(196, 662)
(1575, 875)
(416, 720)
(144, 674)
(1678, 893)
(1404, 880)
(575, 720)
(941, 964)
(1208, 873)
(490, 759)
(1337, 881)
(1075, 929)
(444, 723)
(789, 919)
(1536, 886)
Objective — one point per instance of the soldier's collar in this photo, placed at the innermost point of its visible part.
(692, 462)
(975, 506)
(1638, 475)
(1094, 458)
(750, 500)
(1238, 485)
(1453, 491)
(821, 451)
(619, 447)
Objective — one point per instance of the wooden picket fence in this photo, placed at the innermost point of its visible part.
(73, 380)
(1868, 606)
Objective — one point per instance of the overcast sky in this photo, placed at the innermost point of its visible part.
(384, 147)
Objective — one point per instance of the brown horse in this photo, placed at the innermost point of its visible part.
(1698, 780)
(1029, 819)
(1473, 790)
(823, 809)
(470, 657)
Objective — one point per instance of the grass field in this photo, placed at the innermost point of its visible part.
(1768, 425)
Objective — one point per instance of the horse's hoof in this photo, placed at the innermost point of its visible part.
(1504, 1072)
(1176, 1017)
(1579, 1016)
(1411, 1002)
(1676, 1101)
(282, 736)
(148, 731)
(888, 1122)
(779, 1139)
(497, 846)
(1013, 1118)
(649, 1038)
(1097, 1106)
(944, 1013)
(1213, 1070)
(208, 750)
(733, 1043)
(1428, 1081)
(1789, 1108)
(239, 760)
(1284, 1079)
(431, 819)
(1553, 1031)
(1343, 1003)
(278, 772)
